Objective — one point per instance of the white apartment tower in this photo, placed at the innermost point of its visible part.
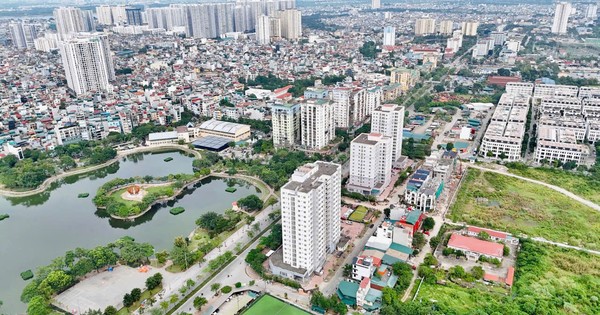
(424, 27)
(310, 215)
(317, 123)
(263, 30)
(389, 36)
(446, 27)
(561, 18)
(71, 20)
(591, 11)
(286, 124)
(388, 120)
(375, 4)
(370, 163)
(22, 35)
(469, 28)
(291, 23)
(88, 63)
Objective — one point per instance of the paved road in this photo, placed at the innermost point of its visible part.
(556, 188)
(196, 271)
(329, 288)
(543, 240)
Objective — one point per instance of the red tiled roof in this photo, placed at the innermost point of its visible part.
(491, 277)
(477, 230)
(498, 80)
(364, 282)
(476, 245)
(510, 276)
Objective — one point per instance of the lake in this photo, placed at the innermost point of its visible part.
(44, 226)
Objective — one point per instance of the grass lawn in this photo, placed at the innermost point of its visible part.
(458, 300)
(359, 214)
(582, 185)
(272, 306)
(145, 295)
(518, 206)
(548, 280)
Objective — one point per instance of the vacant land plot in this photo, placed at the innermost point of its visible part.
(505, 203)
(587, 187)
(272, 306)
(549, 280)
(359, 214)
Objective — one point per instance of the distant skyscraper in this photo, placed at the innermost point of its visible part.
(134, 16)
(389, 36)
(166, 18)
(22, 35)
(104, 15)
(88, 63)
(424, 27)
(291, 23)
(375, 4)
(561, 18)
(310, 215)
(446, 27)
(591, 12)
(469, 28)
(71, 20)
(263, 30)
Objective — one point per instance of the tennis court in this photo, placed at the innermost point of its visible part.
(273, 306)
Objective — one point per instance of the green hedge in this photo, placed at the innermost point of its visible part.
(177, 210)
(4, 216)
(27, 274)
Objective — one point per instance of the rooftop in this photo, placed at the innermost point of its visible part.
(476, 245)
(222, 126)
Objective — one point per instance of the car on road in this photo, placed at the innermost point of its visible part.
(426, 233)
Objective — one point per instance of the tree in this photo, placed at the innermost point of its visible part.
(38, 306)
(428, 223)
(505, 251)
(504, 72)
(110, 310)
(162, 257)
(128, 300)
(136, 294)
(477, 272)
(58, 280)
(484, 236)
(502, 155)
(199, 301)
(439, 88)
(457, 272)
(154, 281)
(449, 146)
(434, 241)
(215, 287)
(347, 270)
(430, 260)
(226, 289)
(135, 253)
(251, 203)
(418, 240)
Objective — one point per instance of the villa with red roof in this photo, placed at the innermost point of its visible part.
(474, 247)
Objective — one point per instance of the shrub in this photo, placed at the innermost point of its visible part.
(226, 289)
(154, 281)
(27, 274)
(177, 210)
(238, 285)
(447, 251)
